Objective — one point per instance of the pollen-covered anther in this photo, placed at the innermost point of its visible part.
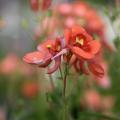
(80, 41)
(49, 46)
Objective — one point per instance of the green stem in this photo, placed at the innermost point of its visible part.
(65, 79)
(52, 82)
(61, 73)
(64, 92)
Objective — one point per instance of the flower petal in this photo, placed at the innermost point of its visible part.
(83, 69)
(56, 66)
(96, 69)
(72, 59)
(38, 58)
(95, 46)
(63, 42)
(81, 53)
(43, 46)
(77, 30)
(33, 57)
(67, 34)
(76, 66)
(64, 51)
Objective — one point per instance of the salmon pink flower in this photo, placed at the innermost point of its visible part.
(9, 64)
(64, 9)
(30, 89)
(80, 9)
(83, 49)
(81, 43)
(45, 55)
(92, 99)
(105, 80)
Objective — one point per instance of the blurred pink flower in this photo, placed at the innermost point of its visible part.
(80, 9)
(30, 89)
(9, 64)
(69, 22)
(92, 99)
(105, 80)
(64, 9)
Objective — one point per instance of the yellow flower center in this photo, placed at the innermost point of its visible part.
(80, 41)
(48, 46)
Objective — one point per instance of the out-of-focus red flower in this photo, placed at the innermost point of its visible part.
(34, 5)
(9, 64)
(70, 21)
(46, 4)
(30, 89)
(92, 100)
(105, 80)
(80, 9)
(64, 9)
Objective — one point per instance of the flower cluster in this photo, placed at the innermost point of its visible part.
(76, 47)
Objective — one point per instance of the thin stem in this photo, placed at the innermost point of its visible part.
(51, 82)
(64, 92)
(61, 73)
(65, 79)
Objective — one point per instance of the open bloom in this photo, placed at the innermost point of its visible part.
(44, 56)
(83, 48)
(81, 43)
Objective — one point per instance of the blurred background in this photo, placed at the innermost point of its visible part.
(27, 92)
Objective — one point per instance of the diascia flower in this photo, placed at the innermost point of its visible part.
(83, 49)
(81, 43)
(45, 54)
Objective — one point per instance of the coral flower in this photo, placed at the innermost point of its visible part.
(64, 9)
(92, 100)
(9, 64)
(45, 55)
(83, 49)
(81, 43)
(30, 89)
